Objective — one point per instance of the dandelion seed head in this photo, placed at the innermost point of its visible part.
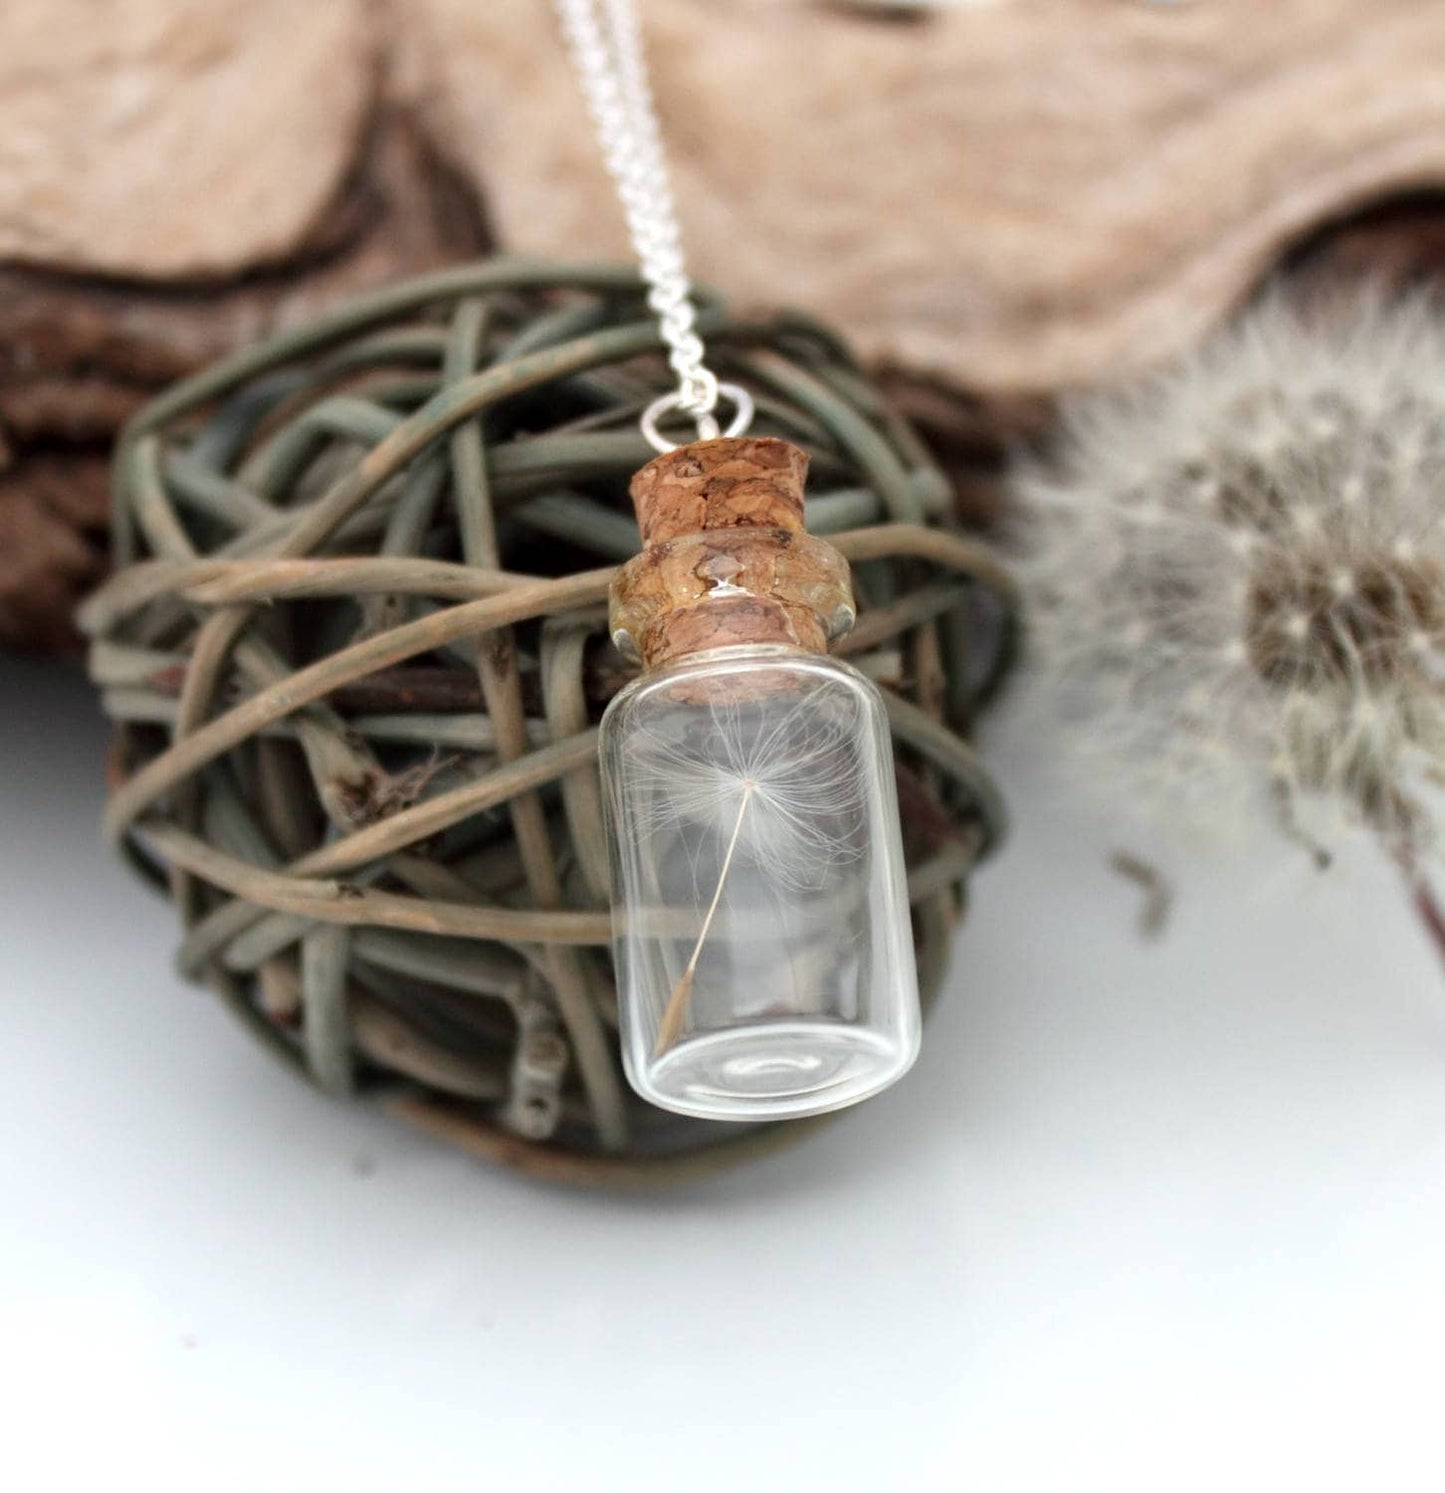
(1237, 570)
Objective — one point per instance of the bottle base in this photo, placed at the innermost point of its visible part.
(776, 1072)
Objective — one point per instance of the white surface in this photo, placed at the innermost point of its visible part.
(1144, 1217)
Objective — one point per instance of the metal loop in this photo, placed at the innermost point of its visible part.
(707, 425)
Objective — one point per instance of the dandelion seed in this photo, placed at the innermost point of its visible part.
(676, 1011)
(774, 789)
(792, 768)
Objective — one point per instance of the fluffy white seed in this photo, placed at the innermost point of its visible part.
(1237, 569)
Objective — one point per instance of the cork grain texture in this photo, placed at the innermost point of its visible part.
(725, 561)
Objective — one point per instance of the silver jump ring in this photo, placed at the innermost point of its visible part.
(707, 426)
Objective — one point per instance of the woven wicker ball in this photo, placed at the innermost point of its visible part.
(356, 651)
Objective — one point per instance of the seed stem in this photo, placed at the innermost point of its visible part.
(1422, 895)
(1428, 908)
(670, 1027)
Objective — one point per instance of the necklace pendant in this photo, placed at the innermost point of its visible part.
(761, 924)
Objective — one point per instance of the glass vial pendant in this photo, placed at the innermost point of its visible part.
(761, 925)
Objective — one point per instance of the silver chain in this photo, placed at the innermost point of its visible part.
(605, 41)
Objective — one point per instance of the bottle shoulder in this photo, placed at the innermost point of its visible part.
(727, 676)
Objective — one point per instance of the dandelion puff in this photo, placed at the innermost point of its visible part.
(1274, 631)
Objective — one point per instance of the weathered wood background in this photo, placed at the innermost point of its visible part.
(1005, 198)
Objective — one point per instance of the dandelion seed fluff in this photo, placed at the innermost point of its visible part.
(1238, 570)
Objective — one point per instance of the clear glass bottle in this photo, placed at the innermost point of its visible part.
(762, 935)
(763, 942)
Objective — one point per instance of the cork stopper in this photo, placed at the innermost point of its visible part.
(725, 560)
(742, 482)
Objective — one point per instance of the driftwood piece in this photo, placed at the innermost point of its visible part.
(1005, 198)
(179, 178)
(1020, 196)
(175, 140)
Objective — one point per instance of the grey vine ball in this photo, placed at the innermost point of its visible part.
(1238, 572)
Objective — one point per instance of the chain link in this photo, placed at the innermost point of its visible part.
(605, 41)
